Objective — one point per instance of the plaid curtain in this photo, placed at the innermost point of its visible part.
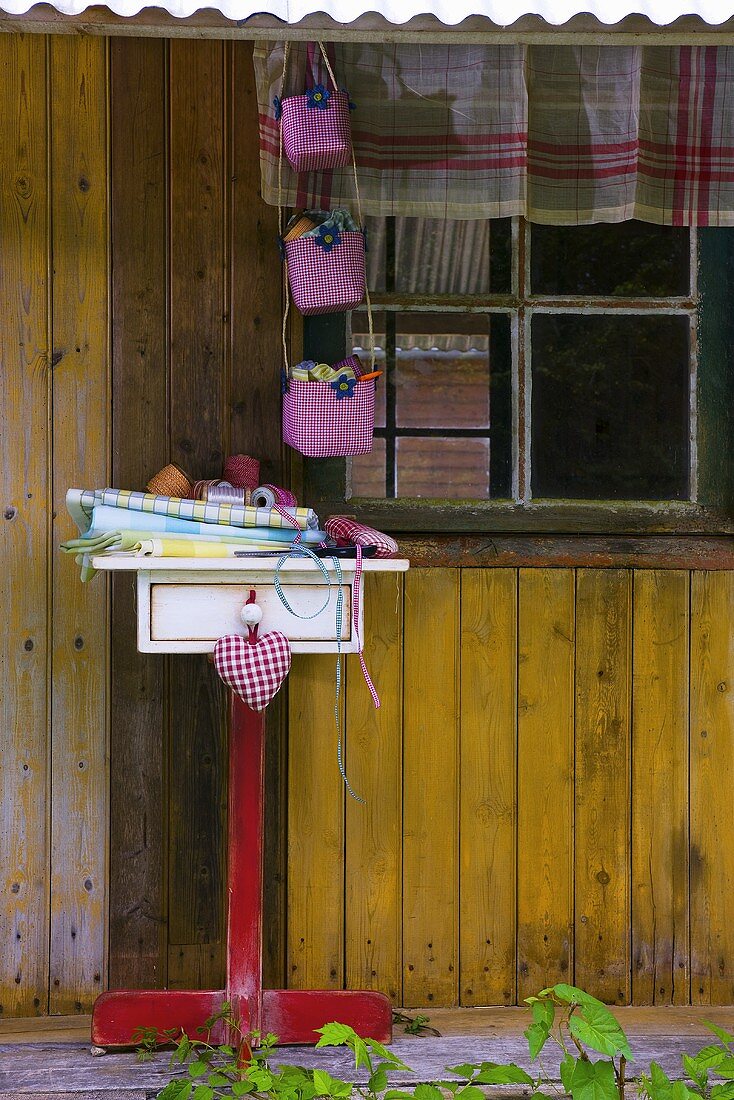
(560, 134)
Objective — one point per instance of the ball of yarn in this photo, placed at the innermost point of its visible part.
(242, 471)
(171, 481)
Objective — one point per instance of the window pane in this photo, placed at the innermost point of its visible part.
(443, 468)
(610, 407)
(435, 256)
(360, 346)
(442, 371)
(626, 258)
(368, 472)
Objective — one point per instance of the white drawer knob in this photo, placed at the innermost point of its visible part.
(251, 614)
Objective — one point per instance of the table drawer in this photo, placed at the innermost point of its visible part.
(189, 616)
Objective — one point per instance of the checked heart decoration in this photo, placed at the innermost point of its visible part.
(254, 671)
(254, 668)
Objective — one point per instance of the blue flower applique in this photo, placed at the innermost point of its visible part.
(278, 107)
(318, 96)
(328, 237)
(344, 386)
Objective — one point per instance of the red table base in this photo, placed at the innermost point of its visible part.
(293, 1015)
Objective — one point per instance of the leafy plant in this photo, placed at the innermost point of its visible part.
(716, 1058)
(574, 1024)
(368, 1054)
(415, 1025)
(583, 1024)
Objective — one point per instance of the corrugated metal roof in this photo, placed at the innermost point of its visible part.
(499, 12)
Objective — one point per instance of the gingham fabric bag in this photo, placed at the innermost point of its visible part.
(324, 273)
(322, 421)
(326, 279)
(315, 127)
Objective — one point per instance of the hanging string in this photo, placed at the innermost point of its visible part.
(360, 218)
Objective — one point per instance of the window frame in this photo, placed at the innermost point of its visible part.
(327, 481)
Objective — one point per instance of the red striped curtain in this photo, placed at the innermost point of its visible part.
(560, 134)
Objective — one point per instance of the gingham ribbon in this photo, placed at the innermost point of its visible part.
(355, 609)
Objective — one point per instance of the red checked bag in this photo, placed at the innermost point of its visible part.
(330, 419)
(254, 668)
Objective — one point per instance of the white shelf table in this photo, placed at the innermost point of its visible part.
(183, 606)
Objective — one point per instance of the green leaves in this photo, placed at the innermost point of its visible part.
(335, 1035)
(490, 1073)
(594, 1026)
(538, 1033)
(326, 1085)
(427, 1092)
(591, 1080)
(725, 1036)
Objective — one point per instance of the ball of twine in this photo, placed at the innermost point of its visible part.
(171, 481)
(242, 471)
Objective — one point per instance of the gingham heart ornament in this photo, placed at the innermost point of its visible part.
(254, 670)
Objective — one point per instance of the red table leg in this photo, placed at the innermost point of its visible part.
(293, 1015)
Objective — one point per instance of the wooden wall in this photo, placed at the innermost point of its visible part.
(548, 789)
(549, 778)
(139, 294)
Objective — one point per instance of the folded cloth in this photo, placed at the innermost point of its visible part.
(195, 548)
(81, 502)
(175, 545)
(308, 371)
(331, 219)
(345, 530)
(106, 518)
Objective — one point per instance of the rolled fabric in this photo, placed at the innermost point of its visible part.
(81, 502)
(106, 518)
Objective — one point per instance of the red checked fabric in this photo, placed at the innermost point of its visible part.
(316, 139)
(254, 672)
(326, 282)
(321, 425)
(343, 529)
(557, 133)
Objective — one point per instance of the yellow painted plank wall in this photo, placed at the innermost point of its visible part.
(546, 739)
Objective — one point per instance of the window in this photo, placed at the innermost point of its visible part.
(543, 371)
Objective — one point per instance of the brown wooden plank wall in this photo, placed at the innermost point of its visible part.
(140, 305)
(547, 723)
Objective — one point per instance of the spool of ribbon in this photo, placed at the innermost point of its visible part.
(171, 481)
(267, 496)
(220, 492)
(241, 471)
